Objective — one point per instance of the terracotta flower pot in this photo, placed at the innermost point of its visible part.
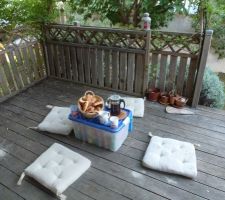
(181, 102)
(154, 94)
(172, 99)
(164, 98)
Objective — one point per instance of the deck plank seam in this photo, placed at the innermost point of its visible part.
(26, 180)
(125, 167)
(185, 129)
(11, 190)
(188, 123)
(172, 120)
(26, 116)
(92, 166)
(147, 142)
(31, 181)
(202, 183)
(157, 108)
(134, 147)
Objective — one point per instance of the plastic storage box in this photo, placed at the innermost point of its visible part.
(89, 130)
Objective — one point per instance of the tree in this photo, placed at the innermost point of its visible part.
(212, 14)
(125, 12)
(31, 13)
(216, 21)
(129, 11)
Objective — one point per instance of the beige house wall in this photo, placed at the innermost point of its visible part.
(217, 65)
(180, 23)
(183, 24)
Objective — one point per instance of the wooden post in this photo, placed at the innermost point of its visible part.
(146, 67)
(45, 50)
(201, 68)
(45, 56)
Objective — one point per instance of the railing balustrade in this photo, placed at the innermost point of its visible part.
(128, 61)
(21, 65)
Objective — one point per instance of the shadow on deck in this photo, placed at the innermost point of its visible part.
(117, 175)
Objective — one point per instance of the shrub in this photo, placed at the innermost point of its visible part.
(212, 93)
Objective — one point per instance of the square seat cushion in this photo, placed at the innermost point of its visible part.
(57, 121)
(57, 168)
(172, 156)
(136, 105)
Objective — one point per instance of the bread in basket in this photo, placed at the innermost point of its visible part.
(90, 104)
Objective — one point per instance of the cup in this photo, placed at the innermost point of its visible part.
(114, 122)
(104, 117)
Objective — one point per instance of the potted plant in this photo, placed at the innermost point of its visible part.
(154, 94)
(164, 98)
(180, 101)
(172, 97)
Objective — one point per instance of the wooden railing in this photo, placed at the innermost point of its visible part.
(108, 58)
(176, 60)
(20, 67)
(128, 61)
(120, 60)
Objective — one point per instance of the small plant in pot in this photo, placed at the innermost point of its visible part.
(164, 98)
(154, 94)
(172, 97)
(180, 101)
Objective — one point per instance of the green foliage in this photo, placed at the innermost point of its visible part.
(215, 20)
(212, 93)
(128, 11)
(31, 13)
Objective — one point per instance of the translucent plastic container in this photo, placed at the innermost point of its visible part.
(103, 136)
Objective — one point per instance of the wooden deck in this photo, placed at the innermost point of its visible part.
(118, 175)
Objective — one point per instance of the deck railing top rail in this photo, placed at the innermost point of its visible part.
(112, 38)
(107, 29)
(103, 29)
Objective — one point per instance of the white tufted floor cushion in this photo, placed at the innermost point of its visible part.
(57, 121)
(57, 168)
(173, 156)
(136, 105)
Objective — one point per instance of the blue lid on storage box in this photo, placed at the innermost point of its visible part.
(95, 122)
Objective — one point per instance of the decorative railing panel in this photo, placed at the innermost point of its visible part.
(21, 65)
(128, 61)
(187, 43)
(108, 58)
(174, 61)
(97, 36)
(120, 60)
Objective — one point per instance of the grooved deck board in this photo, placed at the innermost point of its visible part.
(7, 194)
(113, 175)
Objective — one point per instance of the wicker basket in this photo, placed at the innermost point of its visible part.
(88, 114)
